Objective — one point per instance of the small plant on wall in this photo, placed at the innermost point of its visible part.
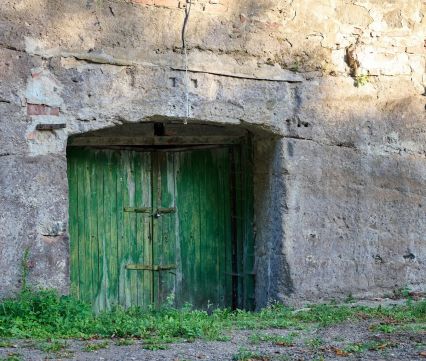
(361, 80)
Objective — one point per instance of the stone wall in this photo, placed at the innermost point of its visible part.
(340, 195)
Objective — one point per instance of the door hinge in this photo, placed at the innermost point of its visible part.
(148, 210)
(148, 267)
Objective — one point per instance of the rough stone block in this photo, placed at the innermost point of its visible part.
(383, 63)
(143, 2)
(167, 3)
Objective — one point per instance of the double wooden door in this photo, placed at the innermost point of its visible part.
(149, 227)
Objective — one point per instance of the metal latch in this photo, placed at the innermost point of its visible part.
(148, 267)
(160, 211)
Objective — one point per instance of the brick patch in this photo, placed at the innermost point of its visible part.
(42, 109)
(167, 3)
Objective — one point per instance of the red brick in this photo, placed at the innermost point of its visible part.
(42, 109)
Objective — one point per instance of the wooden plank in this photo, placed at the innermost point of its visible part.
(239, 227)
(223, 229)
(93, 225)
(110, 210)
(73, 220)
(164, 252)
(225, 179)
(184, 202)
(145, 240)
(84, 266)
(101, 297)
(157, 241)
(121, 270)
(128, 283)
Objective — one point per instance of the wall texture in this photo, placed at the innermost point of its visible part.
(340, 194)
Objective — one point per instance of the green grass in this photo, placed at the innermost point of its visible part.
(45, 315)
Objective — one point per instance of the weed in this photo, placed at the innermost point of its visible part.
(54, 346)
(314, 343)
(275, 339)
(95, 346)
(350, 298)
(361, 80)
(367, 346)
(25, 268)
(124, 342)
(5, 344)
(383, 327)
(12, 357)
(247, 355)
(154, 346)
(295, 67)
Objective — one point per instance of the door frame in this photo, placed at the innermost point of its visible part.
(241, 181)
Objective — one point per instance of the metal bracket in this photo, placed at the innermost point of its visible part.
(148, 267)
(156, 214)
(137, 210)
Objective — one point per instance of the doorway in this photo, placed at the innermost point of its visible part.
(162, 224)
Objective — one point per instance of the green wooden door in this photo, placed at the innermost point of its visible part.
(150, 226)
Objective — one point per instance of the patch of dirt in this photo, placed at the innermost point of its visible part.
(348, 341)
